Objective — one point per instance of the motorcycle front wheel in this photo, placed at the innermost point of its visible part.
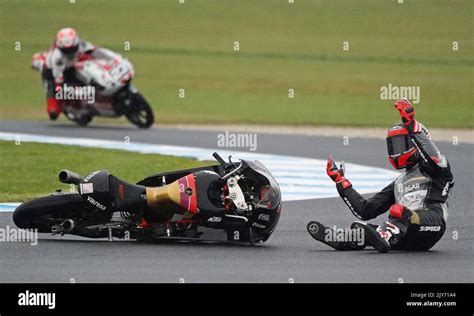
(140, 113)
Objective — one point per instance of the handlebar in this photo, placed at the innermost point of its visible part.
(67, 176)
(219, 159)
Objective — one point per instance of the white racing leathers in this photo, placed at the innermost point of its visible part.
(58, 62)
(58, 68)
(424, 189)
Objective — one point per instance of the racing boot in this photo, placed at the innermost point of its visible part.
(324, 234)
(53, 108)
(379, 237)
(362, 243)
(389, 233)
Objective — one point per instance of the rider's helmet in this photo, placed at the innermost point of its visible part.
(402, 152)
(67, 41)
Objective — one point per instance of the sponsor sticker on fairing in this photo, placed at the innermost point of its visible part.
(215, 219)
(259, 225)
(430, 228)
(96, 204)
(87, 179)
(86, 188)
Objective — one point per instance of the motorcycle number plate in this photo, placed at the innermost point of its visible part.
(118, 71)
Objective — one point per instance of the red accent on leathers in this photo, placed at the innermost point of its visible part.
(396, 211)
(346, 183)
(53, 106)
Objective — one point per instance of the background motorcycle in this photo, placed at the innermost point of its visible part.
(241, 198)
(111, 75)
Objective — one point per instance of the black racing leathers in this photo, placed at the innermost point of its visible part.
(424, 189)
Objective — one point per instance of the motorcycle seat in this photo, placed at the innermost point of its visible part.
(126, 196)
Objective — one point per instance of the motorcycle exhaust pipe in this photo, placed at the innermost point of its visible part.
(68, 225)
(67, 176)
(65, 227)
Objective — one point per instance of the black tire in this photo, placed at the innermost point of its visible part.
(84, 120)
(42, 213)
(141, 113)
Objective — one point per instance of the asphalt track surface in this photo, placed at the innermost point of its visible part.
(290, 255)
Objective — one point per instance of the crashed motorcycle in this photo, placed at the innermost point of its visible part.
(108, 75)
(240, 199)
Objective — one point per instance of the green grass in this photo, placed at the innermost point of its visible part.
(30, 170)
(282, 46)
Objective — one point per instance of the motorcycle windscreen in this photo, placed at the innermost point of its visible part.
(270, 194)
(399, 144)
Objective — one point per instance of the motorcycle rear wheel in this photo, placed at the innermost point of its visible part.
(82, 120)
(45, 212)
